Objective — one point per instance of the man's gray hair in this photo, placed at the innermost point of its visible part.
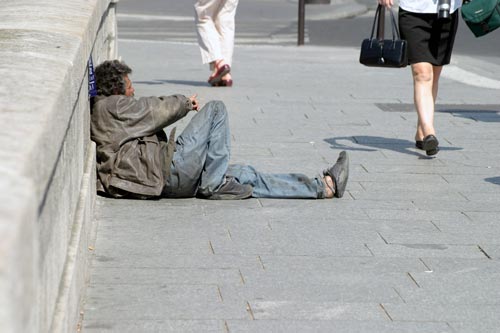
(110, 77)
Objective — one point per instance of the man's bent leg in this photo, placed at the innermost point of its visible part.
(290, 186)
(202, 153)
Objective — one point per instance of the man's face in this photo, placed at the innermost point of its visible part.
(129, 90)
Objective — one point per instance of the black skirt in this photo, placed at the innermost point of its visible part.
(429, 38)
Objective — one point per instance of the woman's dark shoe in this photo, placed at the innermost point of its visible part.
(216, 78)
(339, 173)
(430, 145)
(419, 144)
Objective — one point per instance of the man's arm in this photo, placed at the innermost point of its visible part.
(148, 115)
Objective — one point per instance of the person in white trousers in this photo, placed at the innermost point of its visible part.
(215, 29)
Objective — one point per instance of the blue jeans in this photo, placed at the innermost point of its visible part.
(201, 161)
(285, 185)
(202, 154)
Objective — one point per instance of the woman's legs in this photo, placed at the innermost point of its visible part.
(225, 25)
(425, 88)
(208, 36)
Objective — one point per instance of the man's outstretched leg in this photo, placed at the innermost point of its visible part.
(201, 159)
(295, 186)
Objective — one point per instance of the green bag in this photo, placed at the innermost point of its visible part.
(481, 16)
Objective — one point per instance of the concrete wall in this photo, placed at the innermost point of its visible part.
(47, 161)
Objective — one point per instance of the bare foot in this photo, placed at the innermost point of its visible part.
(329, 186)
(216, 65)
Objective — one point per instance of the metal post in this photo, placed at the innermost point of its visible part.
(302, 14)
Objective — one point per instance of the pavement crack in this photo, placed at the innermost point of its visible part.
(371, 252)
(211, 247)
(241, 276)
(463, 196)
(249, 310)
(220, 294)
(435, 226)
(484, 252)
(261, 262)
(397, 292)
(226, 327)
(467, 216)
(413, 279)
(425, 265)
(385, 311)
(380, 235)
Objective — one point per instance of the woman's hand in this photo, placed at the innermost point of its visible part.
(194, 102)
(386, 3)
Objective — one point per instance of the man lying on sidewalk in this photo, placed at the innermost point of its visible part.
(135, 159)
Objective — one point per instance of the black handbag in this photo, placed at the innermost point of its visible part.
(380, 52)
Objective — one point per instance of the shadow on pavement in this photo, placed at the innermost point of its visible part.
(478, 112)
(493, 180)
(486, 116)
(375, 143)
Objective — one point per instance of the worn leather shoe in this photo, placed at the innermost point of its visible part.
(339, 173)
(430, 145)
(232, 190)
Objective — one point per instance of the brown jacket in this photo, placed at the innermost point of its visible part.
(133, 157)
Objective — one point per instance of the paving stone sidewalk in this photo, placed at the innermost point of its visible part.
(413, 246)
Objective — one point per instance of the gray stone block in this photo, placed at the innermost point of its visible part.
(49, 120)
(167, 275)
(172, 326)
(327, 326)
(19, 267)
(424, 248)
(295, 310)
(160, 302)
(438, 312)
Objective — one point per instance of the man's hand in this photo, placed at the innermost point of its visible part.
(194, 102)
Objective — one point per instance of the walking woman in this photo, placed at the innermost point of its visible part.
(215, 29)
(430, 43)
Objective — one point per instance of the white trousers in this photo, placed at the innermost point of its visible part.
(215, 29)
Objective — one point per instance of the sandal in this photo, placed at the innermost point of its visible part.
(216, 78)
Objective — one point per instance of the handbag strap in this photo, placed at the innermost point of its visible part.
(379, 21)
(394, 24)
(375, 20)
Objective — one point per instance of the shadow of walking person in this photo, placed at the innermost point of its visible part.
(375, 143)
(493, 180)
